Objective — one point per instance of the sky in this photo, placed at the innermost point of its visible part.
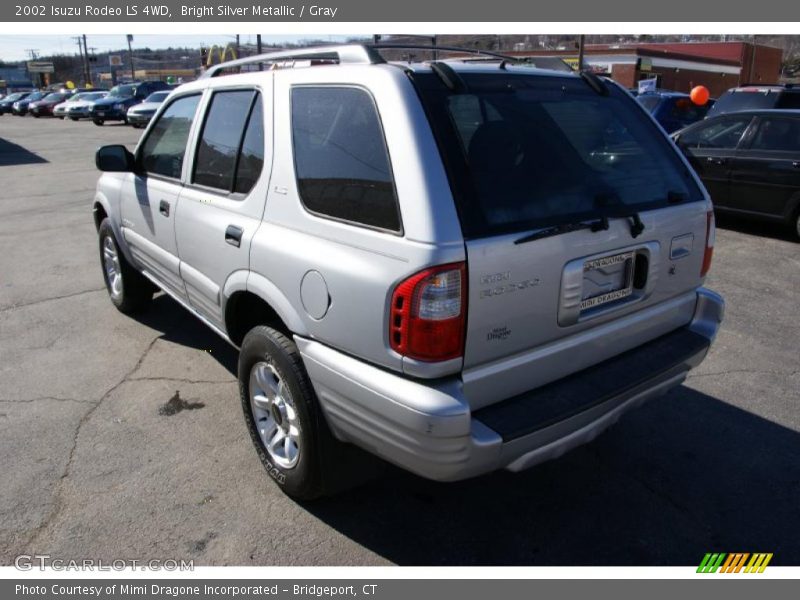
(16, 47)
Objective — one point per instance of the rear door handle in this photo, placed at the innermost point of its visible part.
(796, 164)
(163, 208)
(233, 235)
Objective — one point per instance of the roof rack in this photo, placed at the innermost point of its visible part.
(350, 54)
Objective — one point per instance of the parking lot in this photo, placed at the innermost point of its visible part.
(101, 461)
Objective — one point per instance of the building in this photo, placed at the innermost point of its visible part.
(679, 66)
(14, 79)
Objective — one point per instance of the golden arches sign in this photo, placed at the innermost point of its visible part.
(222, 53)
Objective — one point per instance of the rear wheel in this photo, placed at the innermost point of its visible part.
(129, 290)
(73, 118)
(286, 424)
(98, 122)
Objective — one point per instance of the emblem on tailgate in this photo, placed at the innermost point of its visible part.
(505, 288)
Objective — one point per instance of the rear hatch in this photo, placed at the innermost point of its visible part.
(585, 230)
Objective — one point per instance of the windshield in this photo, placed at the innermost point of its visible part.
(122, 91)
(91, 96)
(12, 97)
(55, 97)
(157, 97)
(35, 96)
(649, 102)
(527, 152)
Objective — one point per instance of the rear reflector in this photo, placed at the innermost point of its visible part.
(711, 234)
(428, 314)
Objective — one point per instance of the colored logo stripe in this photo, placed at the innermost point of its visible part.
(734, 562)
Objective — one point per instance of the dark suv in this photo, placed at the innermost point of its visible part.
(755, 97)
(114, 107)
(749, 162)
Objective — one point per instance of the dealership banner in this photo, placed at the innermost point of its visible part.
(389, 589)
(260, 11)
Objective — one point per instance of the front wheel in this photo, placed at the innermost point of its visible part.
(98, 122)
(129, 290)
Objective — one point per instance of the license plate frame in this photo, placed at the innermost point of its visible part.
(621, 292)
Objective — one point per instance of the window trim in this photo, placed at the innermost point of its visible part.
(744, 139)
(755, 126)
(140, 146)
(400, 232)
(258, 93)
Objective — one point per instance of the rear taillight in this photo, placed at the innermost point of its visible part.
(429, 312)
(711, 233)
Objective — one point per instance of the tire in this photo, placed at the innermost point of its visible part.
(312, 463)
(74, 119)
(797, 225)
(130, 291)
(98, 122)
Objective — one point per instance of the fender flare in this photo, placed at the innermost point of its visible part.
(101, 199)
(247, 281)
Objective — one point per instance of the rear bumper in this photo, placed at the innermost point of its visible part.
(427, 427)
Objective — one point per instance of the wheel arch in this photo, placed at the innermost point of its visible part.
(251, 299)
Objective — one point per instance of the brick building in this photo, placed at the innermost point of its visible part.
(679, 66)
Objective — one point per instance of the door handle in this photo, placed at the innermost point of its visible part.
(163, 208)
(233, 235)
(796, 164)
(716, 161)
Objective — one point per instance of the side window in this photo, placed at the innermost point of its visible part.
(789, 100)
(723, 134)
(165, 147)
(779, 135)
(341, 161)
(230, 153)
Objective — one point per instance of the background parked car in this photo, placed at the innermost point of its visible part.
(7, 103)
(45, 106)
(749, 161)
(673, 110)
(754, 97)
(20, 107)
(121, 97)
(82, 108)
(139, 115)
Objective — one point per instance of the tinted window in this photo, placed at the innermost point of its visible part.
(341, 161)
(550, 150)
(789, 100)
(215, 163)
(157, 97)
(122, 91)
(165, 146)
(777, 134)
(683, 109)
(722, 133)
(732, 101)
(251, 158)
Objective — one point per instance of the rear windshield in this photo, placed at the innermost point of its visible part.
(732, 101)
(525, 152)
(649, 102)
(123, 91)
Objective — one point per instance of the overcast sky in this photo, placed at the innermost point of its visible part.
(15, 47)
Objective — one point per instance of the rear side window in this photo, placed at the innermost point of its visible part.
(165, 146)
(230, 153)
(341, 160)
(789, 100)
(778, 135)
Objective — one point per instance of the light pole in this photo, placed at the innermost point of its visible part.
(130, 56)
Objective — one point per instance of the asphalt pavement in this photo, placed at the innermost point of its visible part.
(98, 459)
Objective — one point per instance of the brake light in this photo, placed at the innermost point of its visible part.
(711, 234)
(429, 312)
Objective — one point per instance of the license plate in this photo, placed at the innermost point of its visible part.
(100, 113)
(612, 276)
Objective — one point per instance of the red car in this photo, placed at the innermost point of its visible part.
(45, 106)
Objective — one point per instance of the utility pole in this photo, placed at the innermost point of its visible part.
(259, 50)
(86, 71)
(237, 45)
(580, 53)
(130, 56)
(80, 53)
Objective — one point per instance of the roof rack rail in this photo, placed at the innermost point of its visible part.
(351, 54)
(390, 46)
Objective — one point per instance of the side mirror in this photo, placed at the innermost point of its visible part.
(114, 158)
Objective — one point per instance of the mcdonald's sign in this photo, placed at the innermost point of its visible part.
(735, 562)
(220, 52)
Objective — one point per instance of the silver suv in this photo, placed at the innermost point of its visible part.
(455, 267)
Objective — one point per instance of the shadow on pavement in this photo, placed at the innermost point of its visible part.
(14, 154)
(684, 475)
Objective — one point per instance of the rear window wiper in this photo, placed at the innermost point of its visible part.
(600, 224)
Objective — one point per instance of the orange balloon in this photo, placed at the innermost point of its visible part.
(699, 95)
